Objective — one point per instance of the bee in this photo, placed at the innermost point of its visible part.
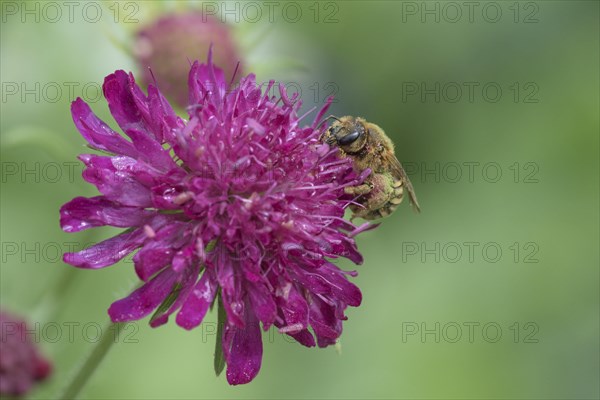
(369, 147)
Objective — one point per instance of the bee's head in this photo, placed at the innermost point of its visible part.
(348, 133)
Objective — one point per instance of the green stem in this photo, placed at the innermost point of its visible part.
(47, 305)
(77, 381)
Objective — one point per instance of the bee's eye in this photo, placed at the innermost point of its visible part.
(349, 138)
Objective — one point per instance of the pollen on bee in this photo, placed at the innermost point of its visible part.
(396, 200)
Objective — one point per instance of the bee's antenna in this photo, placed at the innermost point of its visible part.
(330, 117)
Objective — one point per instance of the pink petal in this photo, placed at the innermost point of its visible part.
(83, 213)
(242, 348)
(143, 300)
(118, 178)
(197, 303)
(97, 133)
(107, 252)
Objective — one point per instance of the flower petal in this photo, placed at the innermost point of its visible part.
(159, 251)
(198, 302)
(330, 281)
(294, 308)
(152, 115)
(206, 81)
(262, 302)
(242, 348)
(126, 104)
(304, 337)
(227, 275)
(107, 252)
(143, 300)
(324, 322)
(83, 213)
(185, 284)
(118, 178)
(163, 119)
(97, 133)
(114, 249)
(151, 151)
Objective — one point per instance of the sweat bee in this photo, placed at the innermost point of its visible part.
(369, 147)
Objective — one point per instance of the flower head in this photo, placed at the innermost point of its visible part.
(239, 202)
(164, 48)
(21, 363)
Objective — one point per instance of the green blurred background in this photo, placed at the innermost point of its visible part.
(528, 316)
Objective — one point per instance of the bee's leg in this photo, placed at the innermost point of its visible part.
(362, 212)
(358, 190)
(363, 191)
(387, 209)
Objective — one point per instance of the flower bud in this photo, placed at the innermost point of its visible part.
(165, 49)
(21, 363)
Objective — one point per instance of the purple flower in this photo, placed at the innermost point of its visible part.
(21, 363)
(238, 203)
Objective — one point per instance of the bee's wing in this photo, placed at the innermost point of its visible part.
(399, 172)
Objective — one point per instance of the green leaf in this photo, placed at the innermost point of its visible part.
(219, 356)
(167, 302)
(210, 245)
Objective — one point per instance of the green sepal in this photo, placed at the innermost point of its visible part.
(219, 356)
(167, 302)
(210, 245)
